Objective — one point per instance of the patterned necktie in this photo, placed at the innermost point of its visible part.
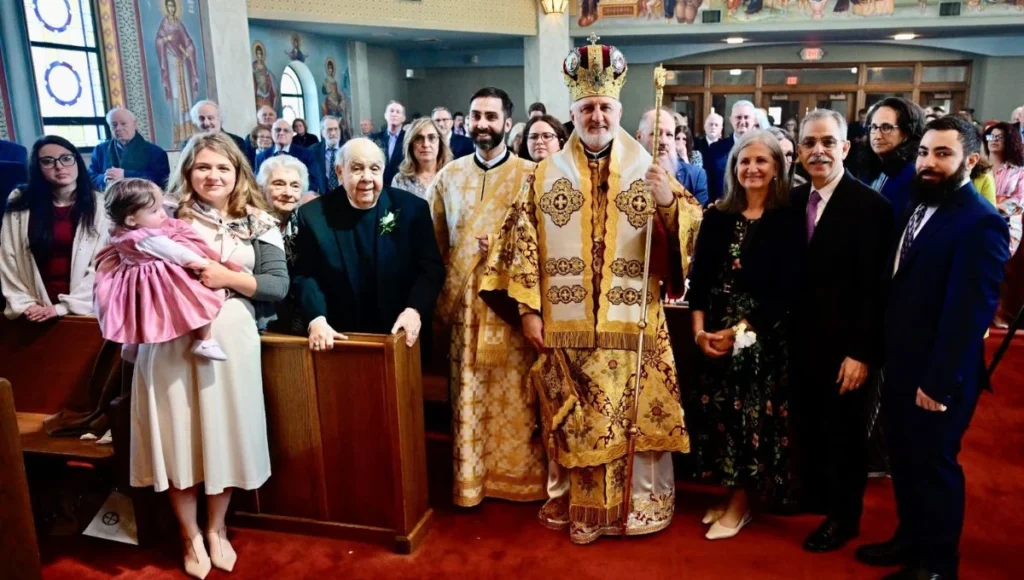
(332, 175)
(812, 213)
(911, 232)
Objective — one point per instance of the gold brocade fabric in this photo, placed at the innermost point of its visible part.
(497, 451)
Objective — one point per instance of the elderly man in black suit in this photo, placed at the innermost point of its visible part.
(837, 320)
(368, 260)
(459, 145)
(390, 139)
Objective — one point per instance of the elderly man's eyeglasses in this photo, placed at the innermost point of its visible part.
(541, 137)
(993, 138)
(66, 160)
(884, 128)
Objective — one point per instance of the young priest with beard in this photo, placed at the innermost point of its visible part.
(946, 271)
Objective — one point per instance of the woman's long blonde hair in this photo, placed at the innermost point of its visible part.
(246, 192)
(409, 166)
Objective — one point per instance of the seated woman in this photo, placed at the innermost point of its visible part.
(53, 227)
(740, 288)
(367, 260)
(425, 154)
(302, 137)
(284, 181)
(197, 420)
(262, 137)
(545, 136)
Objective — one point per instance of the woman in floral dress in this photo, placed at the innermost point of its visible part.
(741, 283)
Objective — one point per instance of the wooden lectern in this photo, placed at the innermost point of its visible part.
(347, 444)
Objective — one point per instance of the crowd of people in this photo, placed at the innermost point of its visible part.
(815, 258)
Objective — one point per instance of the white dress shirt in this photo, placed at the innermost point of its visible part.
(826, 194)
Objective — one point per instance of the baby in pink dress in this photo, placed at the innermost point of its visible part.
(143, 292)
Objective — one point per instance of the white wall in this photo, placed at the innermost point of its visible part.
(453, 87)
(387, 82)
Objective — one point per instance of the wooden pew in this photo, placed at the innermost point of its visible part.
(19, 551)
(346, 442)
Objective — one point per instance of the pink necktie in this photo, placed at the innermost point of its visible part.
(812, 213)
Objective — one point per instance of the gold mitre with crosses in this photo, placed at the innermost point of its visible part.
(595, 70)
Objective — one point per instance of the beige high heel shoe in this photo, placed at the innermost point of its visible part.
(222, 554)
(718, 531)
(197, 561)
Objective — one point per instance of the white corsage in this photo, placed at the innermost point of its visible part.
(388, 223)
(744, 338)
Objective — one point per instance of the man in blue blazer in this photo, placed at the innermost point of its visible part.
(128, 154)
(283, 135)
(691, 178)
(13, 152)
(325, 153)
(459, 145)
(946, 270)
(742, 120)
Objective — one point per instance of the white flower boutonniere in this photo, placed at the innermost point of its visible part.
(744, 338)
(389, 222)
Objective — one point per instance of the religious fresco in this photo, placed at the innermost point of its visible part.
(172, 39)
(595, 12)
(326, 59)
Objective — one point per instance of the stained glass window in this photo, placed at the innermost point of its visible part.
(66, 63)
(291, 96)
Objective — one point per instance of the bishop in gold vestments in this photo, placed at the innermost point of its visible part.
(497, 451)
(571, 251)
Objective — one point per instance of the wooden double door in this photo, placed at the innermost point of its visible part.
(785, 106)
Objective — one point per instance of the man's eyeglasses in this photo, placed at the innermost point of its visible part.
(884, 128)
(541, 137)
(811, 142)
(66, 160)
(993, 138)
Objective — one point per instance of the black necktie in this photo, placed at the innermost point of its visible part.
(332, 175)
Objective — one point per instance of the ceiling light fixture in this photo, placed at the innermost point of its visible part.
(904, 36)
(735, 40)
(554, 6)
(735, 72)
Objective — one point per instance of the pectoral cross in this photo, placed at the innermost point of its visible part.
(593, 38)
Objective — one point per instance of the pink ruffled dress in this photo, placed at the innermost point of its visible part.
(142, 299)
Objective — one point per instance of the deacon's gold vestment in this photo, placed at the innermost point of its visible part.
(497, 449)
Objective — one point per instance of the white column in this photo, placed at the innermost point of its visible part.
(228, 63)
(359, 75)
(543, 56)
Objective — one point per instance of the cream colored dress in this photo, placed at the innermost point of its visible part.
(195, 420)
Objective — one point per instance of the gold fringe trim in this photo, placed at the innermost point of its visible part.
(570, 339)
(596, 516)
(595, 457)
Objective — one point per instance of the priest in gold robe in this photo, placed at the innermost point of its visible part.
(569, 262)
(497, 450)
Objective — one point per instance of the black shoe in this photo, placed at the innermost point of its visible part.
(889, 553)
(830, 535)
(912, 573)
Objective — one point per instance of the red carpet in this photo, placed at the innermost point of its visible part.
(503, 540)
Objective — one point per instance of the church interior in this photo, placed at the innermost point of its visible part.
(362, 439)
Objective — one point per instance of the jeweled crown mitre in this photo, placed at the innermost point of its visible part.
(595, 70)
